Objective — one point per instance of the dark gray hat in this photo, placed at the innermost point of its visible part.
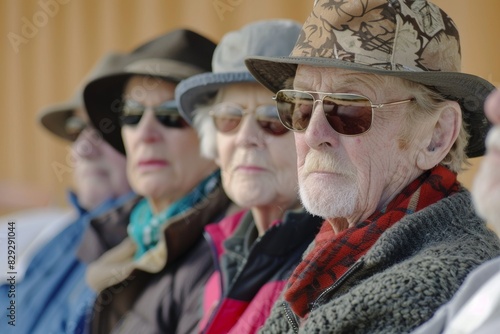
(174, 56)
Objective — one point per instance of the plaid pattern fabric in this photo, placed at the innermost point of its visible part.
(333, 254)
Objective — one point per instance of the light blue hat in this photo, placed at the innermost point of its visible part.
(270, 38)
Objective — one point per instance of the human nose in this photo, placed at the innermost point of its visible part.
(249, 133)
(319, 132)
(148, 128)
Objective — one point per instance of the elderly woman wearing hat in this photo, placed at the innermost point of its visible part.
(149, 283)
(254, 250)
(383, 120)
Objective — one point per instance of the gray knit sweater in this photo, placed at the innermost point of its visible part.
(415, 266)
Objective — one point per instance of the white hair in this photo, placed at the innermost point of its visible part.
(204, 125)
(428, 102)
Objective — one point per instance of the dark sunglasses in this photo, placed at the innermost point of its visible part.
(227, 117)
(347, 114)
(166, 113)
(73, 126)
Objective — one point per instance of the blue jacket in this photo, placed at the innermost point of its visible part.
(53, 295)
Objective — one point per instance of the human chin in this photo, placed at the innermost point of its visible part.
(248, 191)
(329, 199)
(148, 184)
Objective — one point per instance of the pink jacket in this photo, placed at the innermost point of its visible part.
(257, 276)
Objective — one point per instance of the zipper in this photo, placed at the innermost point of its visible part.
(291, 317)
(356, 266)
(213, 249)
(236, 276)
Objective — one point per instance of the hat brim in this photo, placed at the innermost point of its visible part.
(200, 88)
(103, 97)
(468, 90)
(54, 119)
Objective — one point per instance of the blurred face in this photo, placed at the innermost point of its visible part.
(163, 162)
(258, 168)
(486, 187)
(352, 176)
(100, 171)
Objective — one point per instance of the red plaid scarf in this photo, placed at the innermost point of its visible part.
(333, 254)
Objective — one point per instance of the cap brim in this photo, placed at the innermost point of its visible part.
(102, 101)
(468, 90)
(54, 119)
(198, 89)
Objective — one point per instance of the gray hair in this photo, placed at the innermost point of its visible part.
(428, 102)
(204, 125)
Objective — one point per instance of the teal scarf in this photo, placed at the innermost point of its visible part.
(145, 227)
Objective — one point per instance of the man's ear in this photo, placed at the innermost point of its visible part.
(444, 134)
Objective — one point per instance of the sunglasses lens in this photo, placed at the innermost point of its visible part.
(171, 120)
(268, 119)
(348, 114)
(131, 112)
(226, 117)
(130, 119)
(166, 113)
(294, 109)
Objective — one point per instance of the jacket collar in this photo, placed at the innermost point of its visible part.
(107, 230)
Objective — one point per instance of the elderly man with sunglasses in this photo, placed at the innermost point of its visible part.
(383, 121)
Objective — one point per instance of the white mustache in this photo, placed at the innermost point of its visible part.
(321, 162)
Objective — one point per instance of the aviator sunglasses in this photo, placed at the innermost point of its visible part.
(227, 118)
(166, 113)
(347, 114)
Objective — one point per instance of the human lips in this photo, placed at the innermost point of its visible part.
(152, 164)
(250, 168)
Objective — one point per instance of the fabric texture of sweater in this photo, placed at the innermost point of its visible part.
(414, 267)
(474, 308)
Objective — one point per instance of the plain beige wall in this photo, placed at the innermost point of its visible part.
(49, 45)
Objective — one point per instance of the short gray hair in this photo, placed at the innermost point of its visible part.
(204, 125)
(427, 103)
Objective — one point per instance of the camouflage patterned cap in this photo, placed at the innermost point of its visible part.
(409, 39)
